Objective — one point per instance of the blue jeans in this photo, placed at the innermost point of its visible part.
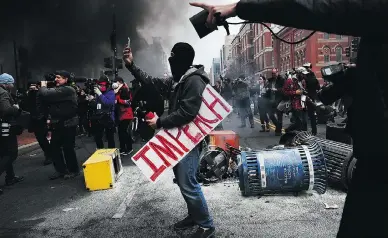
(185, 174)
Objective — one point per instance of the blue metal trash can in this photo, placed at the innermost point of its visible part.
(286, 170)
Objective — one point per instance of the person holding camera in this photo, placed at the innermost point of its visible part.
(339, 17)
(184, 91)
(102, 107)
(124, 116)
(38, 123)
(9, 111)
(62, 103)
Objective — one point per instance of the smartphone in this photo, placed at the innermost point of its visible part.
(129, 42)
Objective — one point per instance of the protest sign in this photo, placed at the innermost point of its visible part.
(168, 147)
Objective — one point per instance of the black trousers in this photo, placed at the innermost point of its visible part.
(125, 135)
(98, 131)
(8, 154)
(312, 117)
(84, 123)
(63, 149)
(245, 111)
(41, 132)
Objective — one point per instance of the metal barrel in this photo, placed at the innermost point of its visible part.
(338, 156)
(294, 169)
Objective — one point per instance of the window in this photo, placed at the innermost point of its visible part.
(262, 43)
(326, 36)
(338, 54)
(326, 58)
(338, 37)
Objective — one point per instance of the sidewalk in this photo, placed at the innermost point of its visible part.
(26, 138)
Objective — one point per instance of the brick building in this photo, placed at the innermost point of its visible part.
(247, 49)
(263, 49)
(321, 49)
(235, 68)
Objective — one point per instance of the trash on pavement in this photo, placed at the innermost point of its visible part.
(334, 206)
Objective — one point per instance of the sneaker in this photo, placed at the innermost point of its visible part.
(14, 180)
(184, 224)
(204, 233)
(57, 175)
(1, 191)
(71, 175)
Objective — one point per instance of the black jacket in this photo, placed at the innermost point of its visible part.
(62, 102)
(7, 110)
(312, 85)
(369, 90)
(279, 83)
(185, 97)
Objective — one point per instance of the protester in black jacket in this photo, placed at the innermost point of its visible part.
(8, 140)
(339, 17)
(38, 124)
(63, 107)
(184, 91)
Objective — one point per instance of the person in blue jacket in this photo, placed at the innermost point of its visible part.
(103, 118)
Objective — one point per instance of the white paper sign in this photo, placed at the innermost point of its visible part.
(168, 147)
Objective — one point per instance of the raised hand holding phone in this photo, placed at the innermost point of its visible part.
(127, 54)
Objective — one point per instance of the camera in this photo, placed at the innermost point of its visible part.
(89, 84)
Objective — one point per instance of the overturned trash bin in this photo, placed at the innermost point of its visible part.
(339, 158)
(286, 170)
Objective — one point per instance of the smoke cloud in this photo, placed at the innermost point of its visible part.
(74, 34)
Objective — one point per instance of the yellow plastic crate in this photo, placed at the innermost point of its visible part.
(102, 169)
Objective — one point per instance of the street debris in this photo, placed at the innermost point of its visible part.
(69, 209)
(32, 155)
(334, 206)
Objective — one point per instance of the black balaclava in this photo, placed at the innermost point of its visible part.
(181, 59)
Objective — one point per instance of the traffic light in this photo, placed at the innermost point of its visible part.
(355, 43)
(108, 63)
(347, 51)
(119, 63)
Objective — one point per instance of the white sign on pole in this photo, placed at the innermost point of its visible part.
(168, 147)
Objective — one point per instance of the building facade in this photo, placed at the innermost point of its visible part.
(226, 54)
(321, 49)
(215, 70)
(247, 49)
(263, 49)
(235, 69)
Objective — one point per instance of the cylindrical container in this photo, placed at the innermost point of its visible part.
(295, 169)
(336, 132)
(5, 129)
(338, 157)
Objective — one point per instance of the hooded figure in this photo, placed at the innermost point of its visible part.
(184, 91)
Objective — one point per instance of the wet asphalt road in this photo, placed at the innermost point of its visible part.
(42, 208)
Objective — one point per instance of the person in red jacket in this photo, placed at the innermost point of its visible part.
(125, 116)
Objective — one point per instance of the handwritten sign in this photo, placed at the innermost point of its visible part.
(168, 147)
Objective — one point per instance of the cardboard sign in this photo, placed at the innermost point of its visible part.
(168, 147)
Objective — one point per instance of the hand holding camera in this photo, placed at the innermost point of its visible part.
(43, 83)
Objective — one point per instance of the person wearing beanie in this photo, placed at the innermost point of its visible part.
(63, 108)
(103, 113)
(184, 91)
(8, 140)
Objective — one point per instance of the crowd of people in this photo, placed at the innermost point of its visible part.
(67, 109)
(294, 93)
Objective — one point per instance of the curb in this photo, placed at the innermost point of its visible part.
(26, 149)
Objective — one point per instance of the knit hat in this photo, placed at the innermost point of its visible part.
(183, 52)
(6, 79)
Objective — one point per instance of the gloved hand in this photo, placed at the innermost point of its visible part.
(97, 91)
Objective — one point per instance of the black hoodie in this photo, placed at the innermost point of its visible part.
(185, 96)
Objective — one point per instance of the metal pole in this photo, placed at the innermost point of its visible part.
(114, 44)
(16, 63)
